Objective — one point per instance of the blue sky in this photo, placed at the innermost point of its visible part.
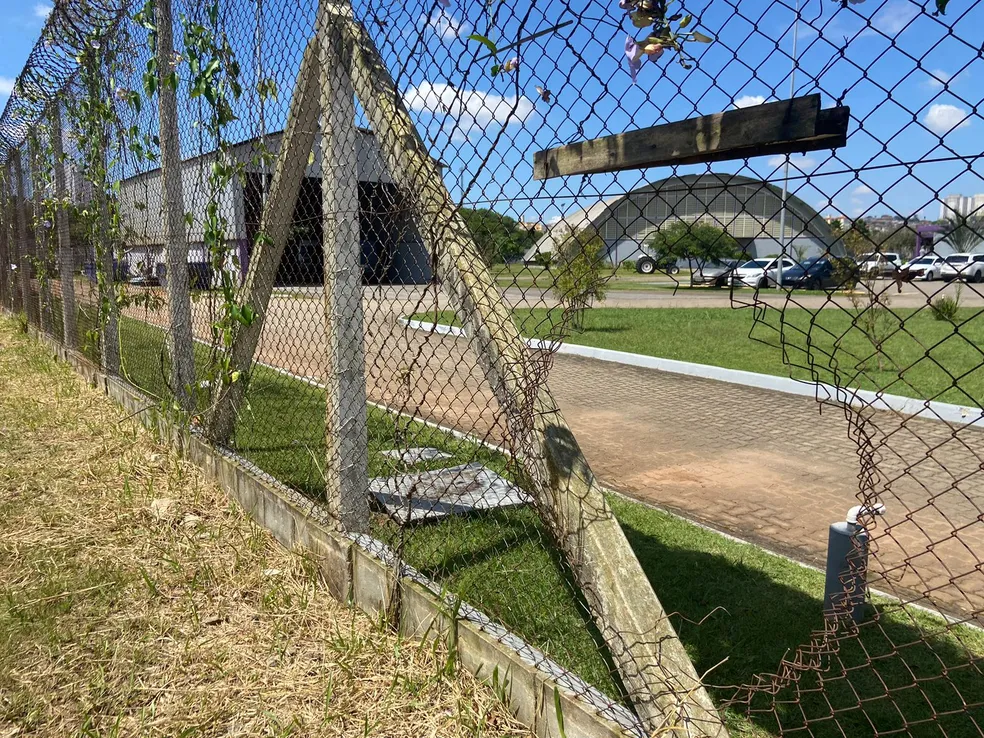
(913, 83)
(22, 21)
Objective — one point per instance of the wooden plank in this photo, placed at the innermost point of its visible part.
(661, 680)
(783, 127)
(275, 223)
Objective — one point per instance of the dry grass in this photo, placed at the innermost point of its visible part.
(137, 601)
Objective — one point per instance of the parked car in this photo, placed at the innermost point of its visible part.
(144, 280)
(969, 267)
(820, 273)
(714, 273)
(880, 264)
(927, 267)
(655, 263)
(759, 273)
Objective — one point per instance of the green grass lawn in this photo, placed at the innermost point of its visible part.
(738, 609)
(920, 357)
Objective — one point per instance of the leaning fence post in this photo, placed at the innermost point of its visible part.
(346, 431)
(66, 257)
(661, 680)
(23, 261)
(5, 238)
(275, 225)
(175, 235)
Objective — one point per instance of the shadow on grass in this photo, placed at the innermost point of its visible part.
(755, 610)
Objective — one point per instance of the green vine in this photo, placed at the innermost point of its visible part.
(94, 116)
(213, 78)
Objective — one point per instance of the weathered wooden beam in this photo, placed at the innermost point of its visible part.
(175, 236)
(346, 430)
(275, 223)
(784, 127)
(662, 682)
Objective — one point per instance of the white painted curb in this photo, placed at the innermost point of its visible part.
(927, 409)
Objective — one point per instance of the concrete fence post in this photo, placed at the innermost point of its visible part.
(107, 285)
(6, 245)
(5, 238)
(41, 254)
(66, 255)
(23, 261)
(346, 429)
(175, 235)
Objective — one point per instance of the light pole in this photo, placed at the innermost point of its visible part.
(785, 178)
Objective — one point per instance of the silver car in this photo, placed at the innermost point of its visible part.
(969, 267)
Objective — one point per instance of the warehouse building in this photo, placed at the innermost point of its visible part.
(392, 250)
(748, 209)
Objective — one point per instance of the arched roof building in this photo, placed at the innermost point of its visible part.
(748, 209)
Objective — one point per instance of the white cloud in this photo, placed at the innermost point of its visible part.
(446, 25)
(937, 79)
(862, 189)
(7, 85)
(42, 10)
(895, 16)
(747, 101)
(803, 163)
(472, 108)
(943, 119)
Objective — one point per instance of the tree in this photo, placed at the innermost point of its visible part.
(902, 240)
(498, 237)
(697, 242)
(857, 240)
(578, 261)
(964, 233)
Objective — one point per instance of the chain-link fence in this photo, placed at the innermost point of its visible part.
(460, 271)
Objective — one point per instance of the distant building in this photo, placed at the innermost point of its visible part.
(393, 251)
(889, 223)
(962, 205)
(531, 226)
(750, 210)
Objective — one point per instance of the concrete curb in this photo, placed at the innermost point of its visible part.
(925, 409)
(360, 570)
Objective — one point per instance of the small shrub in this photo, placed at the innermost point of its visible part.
(945, 307)
(628, 266)
(543, 258)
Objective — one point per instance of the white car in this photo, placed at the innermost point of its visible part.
(928, 267)
(969, 267)
(759, 273)
(880, 265)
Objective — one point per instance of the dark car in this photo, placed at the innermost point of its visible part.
(820, 273)
(713, 272)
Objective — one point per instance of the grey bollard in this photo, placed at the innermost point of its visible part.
(847, 566)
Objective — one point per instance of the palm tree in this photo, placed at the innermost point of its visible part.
(965, 233)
